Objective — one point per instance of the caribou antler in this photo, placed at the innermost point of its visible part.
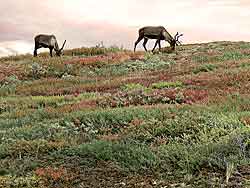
(63, 45)
(178, 36)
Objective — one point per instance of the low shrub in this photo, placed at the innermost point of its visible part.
(161, 85)
(132, 86)
(205, 68)
(130, 156)
(140, 97)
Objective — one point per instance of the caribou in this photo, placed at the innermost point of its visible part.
(159, 33)
(47, 41)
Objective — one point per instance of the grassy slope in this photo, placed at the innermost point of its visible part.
(112, 118)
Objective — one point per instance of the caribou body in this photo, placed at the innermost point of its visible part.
(159, 33)
(47, 41)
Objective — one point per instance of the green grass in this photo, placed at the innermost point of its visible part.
(233, 55)
(150, 63)
(244, 65)
(161, 85)
(132, 86)
(200, 59)
(129, 156)
(205, 68)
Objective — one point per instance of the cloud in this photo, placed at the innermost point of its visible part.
(86, 23)
(91, 33)
(15, 47)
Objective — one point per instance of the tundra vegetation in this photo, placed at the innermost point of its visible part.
(107, 117)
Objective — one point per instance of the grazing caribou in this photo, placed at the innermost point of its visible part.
(159, 33)
(47, 41)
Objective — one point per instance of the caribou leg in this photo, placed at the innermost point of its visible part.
(50, 51)
(138, 40)
(159, 43)
(156, 42)
(144, 44)
(35, 50)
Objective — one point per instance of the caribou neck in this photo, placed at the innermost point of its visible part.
(56, 47)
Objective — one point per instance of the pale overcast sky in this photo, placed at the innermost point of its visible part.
(87, 22)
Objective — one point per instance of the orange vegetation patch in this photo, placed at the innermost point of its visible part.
(245, 120)
(221, 80)
(50, 87)
(108, 58)
(67, 108)
(8, 70)
(89, 104)
(55, 175)
(136, 122)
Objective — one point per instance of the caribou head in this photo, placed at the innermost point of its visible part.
(59, 51)
(175, 41)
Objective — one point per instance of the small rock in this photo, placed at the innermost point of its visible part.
(154, 183)
(122, 183)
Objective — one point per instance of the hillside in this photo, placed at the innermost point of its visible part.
(106, 117)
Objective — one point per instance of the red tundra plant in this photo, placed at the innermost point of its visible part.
(67, 108)
(195, 95)
(84, 104)
(54, 174)
(108, 58)
(9, 70)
